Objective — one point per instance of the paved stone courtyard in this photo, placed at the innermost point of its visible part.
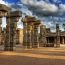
(40, 56)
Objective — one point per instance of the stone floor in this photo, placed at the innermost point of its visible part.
(41, 56)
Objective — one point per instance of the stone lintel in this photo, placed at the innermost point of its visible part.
(37, 23)
(4, 8)
(15, 14)
(29, 19)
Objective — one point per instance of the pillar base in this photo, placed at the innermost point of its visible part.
(35, 46)
(27, 47)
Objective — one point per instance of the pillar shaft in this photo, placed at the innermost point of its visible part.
(24, 35)
(43, 40)
(57, 36)
(31, 37)
(27, 35)
(12, 19)
(35, 37)
(9, 35)
(63, 42)
(7, 41)
(0, 30)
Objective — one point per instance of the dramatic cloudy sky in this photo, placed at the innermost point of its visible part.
(49, 12)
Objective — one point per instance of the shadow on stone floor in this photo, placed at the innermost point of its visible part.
(21, 60)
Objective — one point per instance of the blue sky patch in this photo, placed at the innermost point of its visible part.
(49, 11)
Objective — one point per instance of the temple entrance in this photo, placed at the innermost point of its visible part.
(50, 41)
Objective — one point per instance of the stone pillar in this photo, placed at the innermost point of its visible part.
(17, 36)
(15, 33)
(29, 44)
(27, 34)
(36, 35)
(30, 32)
(63, 42)
(24, 34)
(43, 40)
(48, 40)
(7, 40)
(0, 30)
(0, 24)
(12, 20)
(9, 35)
(57, 36)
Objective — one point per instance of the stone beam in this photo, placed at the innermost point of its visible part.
(4, 10)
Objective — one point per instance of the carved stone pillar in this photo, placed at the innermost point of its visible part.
(57, 36)
(0, 30)
(7, 40)
(12, 20)
(55, 42)
(27, 31)
(30, 32)
(29, 44)
(63, 42)
(24, 35)
(36, 35)
(27, 35)
(43, 40)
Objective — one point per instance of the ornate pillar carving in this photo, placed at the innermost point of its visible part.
(30, 32)
(43, 40)
(12, 20)
(57, 36)
(0, 30)
(24, 34)
(27, 33)
(29, 44)
(35, 34)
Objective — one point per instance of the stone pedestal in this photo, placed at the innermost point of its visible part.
(12, 20)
